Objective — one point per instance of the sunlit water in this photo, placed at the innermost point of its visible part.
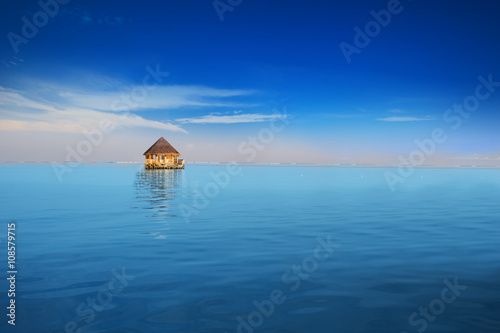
(195, 265)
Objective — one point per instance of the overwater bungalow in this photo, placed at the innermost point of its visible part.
(162, 155)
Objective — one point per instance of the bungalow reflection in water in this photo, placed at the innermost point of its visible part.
(158, 192)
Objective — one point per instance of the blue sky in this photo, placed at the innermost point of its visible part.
(228, 79)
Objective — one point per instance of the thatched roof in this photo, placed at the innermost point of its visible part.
(161, 147)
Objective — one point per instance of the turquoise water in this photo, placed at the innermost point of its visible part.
(115, 248)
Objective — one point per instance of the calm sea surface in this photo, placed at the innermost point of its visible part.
(116, 248)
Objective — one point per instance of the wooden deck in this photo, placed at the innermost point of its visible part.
(152, 166)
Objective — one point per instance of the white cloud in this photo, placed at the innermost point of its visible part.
(54, 107)
(53, 118)
(100, 92)
(396, 111)
(159, 97)
(402, 119)
(231, 119)
(342, 115)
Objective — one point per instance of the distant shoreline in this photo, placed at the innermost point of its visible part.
(343, 165)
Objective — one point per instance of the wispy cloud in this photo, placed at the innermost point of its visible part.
(342, 115)
(14, 61)
(396, 110)
(231, 119)
(161, 97)
(50, 117)
(87, 17)
(403, 119)
(57, 107)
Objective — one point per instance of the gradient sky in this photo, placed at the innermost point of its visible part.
(228, 79)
